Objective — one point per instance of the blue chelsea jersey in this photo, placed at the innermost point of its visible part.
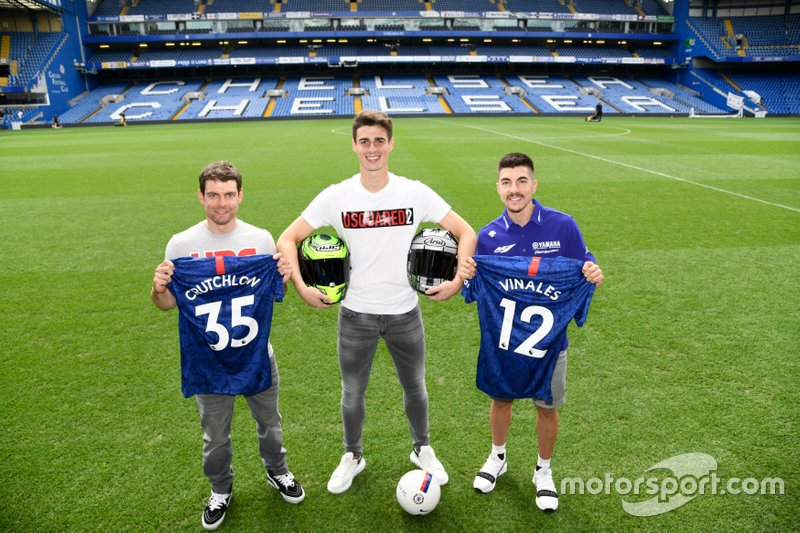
(225, 313)
(524, 308)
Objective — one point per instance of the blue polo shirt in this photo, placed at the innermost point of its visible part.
(549, 233)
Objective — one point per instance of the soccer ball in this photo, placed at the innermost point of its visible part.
(418, 492)
(325, 264)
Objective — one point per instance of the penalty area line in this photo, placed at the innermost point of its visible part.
(633, 167)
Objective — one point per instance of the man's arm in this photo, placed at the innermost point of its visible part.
(467, 242)
(287, 247)
(161, 296)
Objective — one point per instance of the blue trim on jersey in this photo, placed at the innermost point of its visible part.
(225, 314)
(514, 308)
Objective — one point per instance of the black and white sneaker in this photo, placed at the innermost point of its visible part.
(290, 489)
(215, 510)
(546, 494)
(494, 467)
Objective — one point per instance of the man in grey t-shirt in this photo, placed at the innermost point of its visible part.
(223, 234)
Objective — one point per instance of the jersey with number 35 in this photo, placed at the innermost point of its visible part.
(524, 308)
(225, 313)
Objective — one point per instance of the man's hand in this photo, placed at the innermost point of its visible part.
(313, 296)
(445, 290)
(284, 266)
(160, 295)
(592, 273)
(163, 276)
(467, 268)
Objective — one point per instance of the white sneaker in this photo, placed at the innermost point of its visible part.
(493, 468)
(546, 494)
(342, 477)
(426, 460)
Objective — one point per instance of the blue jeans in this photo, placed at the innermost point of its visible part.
(404, 335)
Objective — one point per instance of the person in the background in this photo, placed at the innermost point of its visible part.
(598, 114)
(526, 228)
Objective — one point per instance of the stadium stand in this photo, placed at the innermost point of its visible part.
(779, 94)
(320, 6)
(30, 51)
(683, 95)
(263, 51)
(550, 6)
(592, 51)
(333, 57)
(158, 7)
(400, 94)
(606, 7)
(631, 96)
(317, 96)
(238, 6)
(146, 102)
(230, 99)
(366, 6)
(92, 102)
(470, 93)
(554, 94)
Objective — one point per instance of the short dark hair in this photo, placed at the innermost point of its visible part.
(220, 171)
(515, 159)
(370, 117)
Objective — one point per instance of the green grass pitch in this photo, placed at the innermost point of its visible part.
(691, 345)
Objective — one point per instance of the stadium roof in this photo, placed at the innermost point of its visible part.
(50, 5)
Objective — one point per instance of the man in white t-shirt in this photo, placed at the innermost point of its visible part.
(377, 213)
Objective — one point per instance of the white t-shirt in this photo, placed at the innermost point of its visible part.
(378, 229)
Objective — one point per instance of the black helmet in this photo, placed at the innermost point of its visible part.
(432, 259)
(325, 264)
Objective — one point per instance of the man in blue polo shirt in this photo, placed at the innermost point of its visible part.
(528, 229)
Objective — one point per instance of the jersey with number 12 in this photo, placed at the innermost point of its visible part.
(524, 308)
(225, 314)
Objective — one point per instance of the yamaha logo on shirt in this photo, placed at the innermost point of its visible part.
(545, 247)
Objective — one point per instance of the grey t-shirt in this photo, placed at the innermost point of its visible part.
(198, 241)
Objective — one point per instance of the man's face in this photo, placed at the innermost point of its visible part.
(516, 187)
(221, 201)
(373, 147)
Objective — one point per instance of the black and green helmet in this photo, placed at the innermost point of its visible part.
(325, 264)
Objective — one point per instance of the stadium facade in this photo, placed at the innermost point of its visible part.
(177, 60)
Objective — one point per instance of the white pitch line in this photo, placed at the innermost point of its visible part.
(634, 167)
